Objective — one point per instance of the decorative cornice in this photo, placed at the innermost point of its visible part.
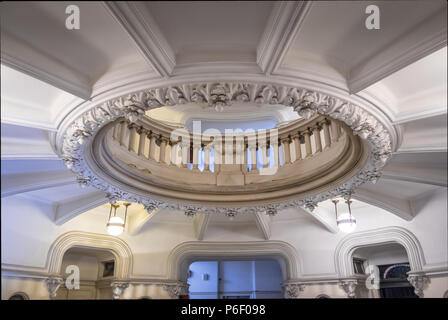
(349, 286)
(118, 288)
(53, 283)
(293, 290)
(418, 282)
(176, 289)
(306, 102)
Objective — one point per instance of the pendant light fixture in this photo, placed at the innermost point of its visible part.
(115, 225)
(346, 221)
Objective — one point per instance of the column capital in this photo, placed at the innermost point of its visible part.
(118, 288)
(176, 289)
(53, 283)
(293, 290)
(349, 286)
(418, 282)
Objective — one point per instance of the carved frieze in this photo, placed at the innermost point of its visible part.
(306, 102)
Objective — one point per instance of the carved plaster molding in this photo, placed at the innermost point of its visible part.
(118, 288)
(176, 289)
(349, 287)
(53, 283)
(306, 102)
(343, 254)
(418, 282)
(293, 290)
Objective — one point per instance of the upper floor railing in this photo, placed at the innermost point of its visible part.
(248, 151)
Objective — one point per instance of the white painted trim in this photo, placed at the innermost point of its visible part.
(200, 224)
(22, 57)
(25, 182)
(137, 21)
(263, 224)
(344, 251)
(430, 111)
(399, 207)
(427, 38)
(120, 249)
(421, 149)
(185, 253)
(281, 30)
(68, 209)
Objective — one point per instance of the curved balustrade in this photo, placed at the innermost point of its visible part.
(247, 168)
(246, 151)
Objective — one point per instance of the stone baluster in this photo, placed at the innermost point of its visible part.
(286, 150)
(252, 146)
(275, 148)
(196, 148)
(163, 146)
(175, 153)
(141, 142)
(207, 149)
(317, 140)
(253, 157)
(132, 134)
(152, 146)
(327, 138)
(308, 149)
(124, 140)
(245, 146)
(240, 153)
(117, 131)
(334, 131)
(185, 145)
(223, 152)
(122, 136)
(297, 148)
(263, 146)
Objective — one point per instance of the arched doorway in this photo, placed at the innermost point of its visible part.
(392, 265)
(243, 279)
(87, 274)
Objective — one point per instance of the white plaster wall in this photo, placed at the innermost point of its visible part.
(28, 231)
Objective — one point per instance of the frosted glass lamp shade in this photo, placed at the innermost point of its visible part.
(115, 226)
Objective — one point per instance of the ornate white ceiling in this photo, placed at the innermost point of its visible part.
(398, 72)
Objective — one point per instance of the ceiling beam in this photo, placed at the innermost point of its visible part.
(22, 57)
(417, 174)
(68, 209)
(200, 224)
(25, 182)
(263, 222)
(325, 216)
(282, 27)
(139, 219)
(139, 24)
(423, 40)
(24, 149)
(400, 207)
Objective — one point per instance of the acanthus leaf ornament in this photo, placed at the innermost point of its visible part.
(306, 102)
(349, 287)
(293, 290)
